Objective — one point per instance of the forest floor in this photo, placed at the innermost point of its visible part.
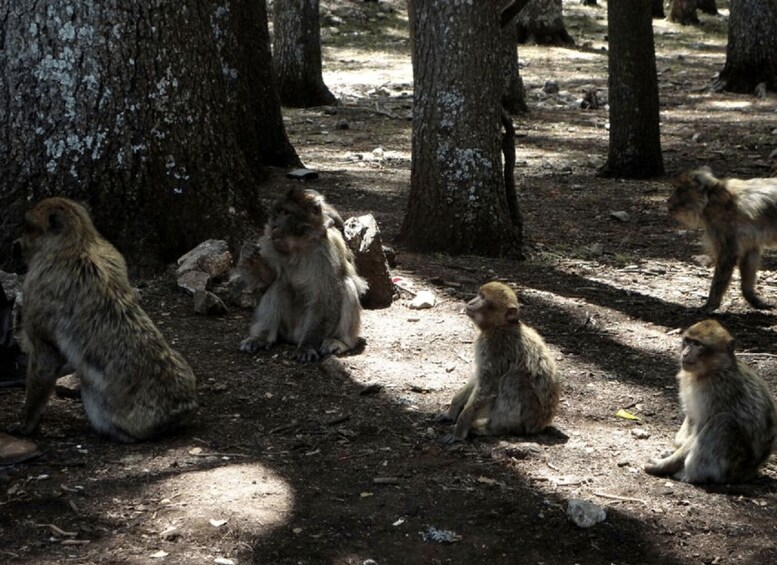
(305, 464)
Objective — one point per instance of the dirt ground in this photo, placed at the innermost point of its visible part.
(305, 464)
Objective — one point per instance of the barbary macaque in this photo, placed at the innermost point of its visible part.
(730, 416)
(739, 218)
(312, 288)
(516, 388)
(80, 310)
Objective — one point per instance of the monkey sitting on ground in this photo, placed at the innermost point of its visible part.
(516, 387)
(312, 288)
(739, 218)
(79, 309)
(730, 417)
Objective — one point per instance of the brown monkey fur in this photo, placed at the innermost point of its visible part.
(730, 416)
(739, 218)
(80, 309)
(312, 288)
(516, 387)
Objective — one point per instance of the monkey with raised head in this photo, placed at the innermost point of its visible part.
(312, 288)
(730, 416)
(739, 218)
(79, 309)
(516, 386)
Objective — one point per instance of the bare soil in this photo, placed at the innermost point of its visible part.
(340, 462)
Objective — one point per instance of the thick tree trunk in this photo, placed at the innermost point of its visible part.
(297, 54)
(457, 203)
(541, 22)
(635, 140)
(123, 104)
(751, 55)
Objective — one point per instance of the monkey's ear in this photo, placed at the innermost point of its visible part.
(511, 315)
(56, 222)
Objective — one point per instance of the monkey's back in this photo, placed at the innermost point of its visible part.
(89, 310)
(740, 398)
(529, 387)
(756, 201)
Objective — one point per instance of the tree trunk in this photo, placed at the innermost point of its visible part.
(541, 22)
(751, 54)
(124, 105)
(683, 12)
(251, 91)
(457, 203)
(708, 7)
(297, 53)
(635, 139)
(658, 8)
(513, 93)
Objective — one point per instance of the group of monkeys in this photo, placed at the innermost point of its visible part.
(80, 312)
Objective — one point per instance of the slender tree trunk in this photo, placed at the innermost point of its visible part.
(124, 104)
(457, 203)
(658, 8)
(541, 22)
(751, 54)
(297, 52)
(635, 140)
(251, 90)
(683, 12)
(708, 7)
(514, 95)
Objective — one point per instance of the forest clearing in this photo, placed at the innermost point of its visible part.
(341, 461)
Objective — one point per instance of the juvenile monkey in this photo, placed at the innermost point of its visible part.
(312, 288)
(739, 218)
(730, 417)
(516, 387)
(80, 309)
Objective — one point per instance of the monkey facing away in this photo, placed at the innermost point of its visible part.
(312, 288)
(739, 218)
(80, 309)
(516, 387)
(730, 416)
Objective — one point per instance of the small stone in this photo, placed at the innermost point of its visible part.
(640, 433)
(696, 137)
(620, 216)
(362, 235)
(211, 257)
(760, 90)
(585, 514)
(550, 87)
(773, 154)
(302, 174)
(194, 281)
(342, 124)
(597, 249)
(423, 300)
(378, 152)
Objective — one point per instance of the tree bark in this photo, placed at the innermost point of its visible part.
(513, 94)
(541, 22)
(297, 53)
(458, 202)
(708, 7)
(125, 105)
(751, 54)
(658, 8)
(635, 139)
(683, 12)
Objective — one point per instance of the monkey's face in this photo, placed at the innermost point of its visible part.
(706, 345)
(297, 221)
(495, 306)
(687, 202)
